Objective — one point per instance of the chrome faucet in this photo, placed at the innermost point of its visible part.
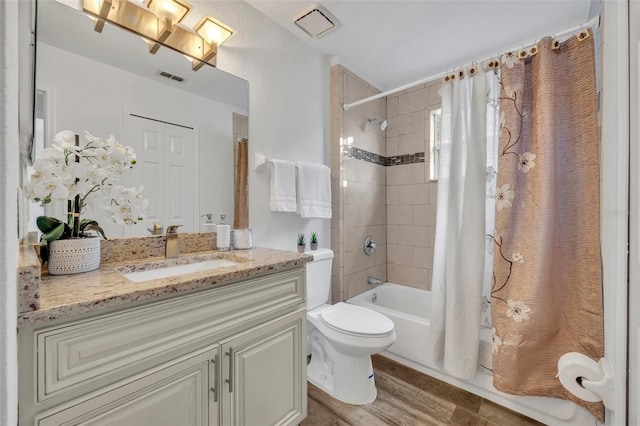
(374, 281)
(171, 247)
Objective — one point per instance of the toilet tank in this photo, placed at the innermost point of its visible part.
(319, 278)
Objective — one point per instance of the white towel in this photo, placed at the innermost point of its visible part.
(314, 190)
(283, 186)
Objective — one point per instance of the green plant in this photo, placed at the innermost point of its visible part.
(55, 229)
(314, 238)
(301, 240)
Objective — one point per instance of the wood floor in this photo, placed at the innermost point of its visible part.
(408, 397)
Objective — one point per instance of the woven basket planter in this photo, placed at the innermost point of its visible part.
(74, 256)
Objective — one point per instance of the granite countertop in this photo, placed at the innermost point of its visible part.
(63, 296)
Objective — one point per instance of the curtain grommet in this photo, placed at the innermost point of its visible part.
(555, 45)
(583, 35)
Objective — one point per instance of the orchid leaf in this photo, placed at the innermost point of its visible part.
(46, 224)
(91, 225)
(55, 233)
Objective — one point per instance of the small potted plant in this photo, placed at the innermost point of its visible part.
(314, 241)
(302, 242)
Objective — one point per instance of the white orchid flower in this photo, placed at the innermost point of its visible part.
(90, 171)
(51, 188)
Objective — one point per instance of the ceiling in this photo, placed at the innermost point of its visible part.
(394, 42)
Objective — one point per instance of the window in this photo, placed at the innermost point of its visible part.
(435, 127)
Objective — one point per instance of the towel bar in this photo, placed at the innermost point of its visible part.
(260, 160)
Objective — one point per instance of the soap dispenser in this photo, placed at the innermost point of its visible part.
(223, 235)
(209, 225)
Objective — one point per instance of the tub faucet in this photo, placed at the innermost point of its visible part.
(171, 247)
(374, 281)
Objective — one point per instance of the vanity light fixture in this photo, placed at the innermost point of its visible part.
(172, 9)
(159, 24)
(213, 32)
(168, 13)
(104, 10)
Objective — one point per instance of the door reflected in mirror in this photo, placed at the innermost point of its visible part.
(186, 126)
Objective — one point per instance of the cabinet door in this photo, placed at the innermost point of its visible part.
(264, 373)
(182, 392)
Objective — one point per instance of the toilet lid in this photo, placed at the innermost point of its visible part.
(356, 320)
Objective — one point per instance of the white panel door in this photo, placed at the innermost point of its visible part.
(180, 187)
(166, 158)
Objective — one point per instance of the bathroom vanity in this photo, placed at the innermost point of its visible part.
(222, 346)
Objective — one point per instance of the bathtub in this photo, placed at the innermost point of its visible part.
(409, 308)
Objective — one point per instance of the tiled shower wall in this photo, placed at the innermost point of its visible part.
(411, 196)
(358, 185)
(381, 185)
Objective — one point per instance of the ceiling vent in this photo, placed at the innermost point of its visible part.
(171, 76)
(316, 21)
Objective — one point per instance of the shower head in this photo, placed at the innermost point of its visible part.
(383, 124)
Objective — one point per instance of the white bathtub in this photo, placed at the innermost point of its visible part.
(409, 308)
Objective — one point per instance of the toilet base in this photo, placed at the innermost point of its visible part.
(347, 378)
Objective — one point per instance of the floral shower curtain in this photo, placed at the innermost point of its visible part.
(468, 122)
(547, 293)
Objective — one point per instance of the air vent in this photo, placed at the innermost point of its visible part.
(171, 76)
(316, 21)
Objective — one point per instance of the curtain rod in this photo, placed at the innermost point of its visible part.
(594, 22)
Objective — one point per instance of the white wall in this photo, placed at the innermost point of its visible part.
(95, 97)
(616, 96)
(288, 110)
(8, 213)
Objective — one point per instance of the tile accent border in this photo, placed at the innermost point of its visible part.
(381, 160)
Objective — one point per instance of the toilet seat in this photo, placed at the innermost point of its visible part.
(356, 321)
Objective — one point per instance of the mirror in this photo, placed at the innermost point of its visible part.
(184, 125)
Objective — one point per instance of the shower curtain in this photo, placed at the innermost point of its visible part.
(241, 209)
(468, 123)
(547, 291)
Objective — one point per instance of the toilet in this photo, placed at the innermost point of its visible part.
(341, 338)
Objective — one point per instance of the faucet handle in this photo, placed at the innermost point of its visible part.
(156, 230)
(173, 229)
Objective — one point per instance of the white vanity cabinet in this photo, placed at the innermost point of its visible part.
(176, 393)
(262, 370)
(232, 355)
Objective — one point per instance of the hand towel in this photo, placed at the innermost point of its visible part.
(283, 186)
(314, 190)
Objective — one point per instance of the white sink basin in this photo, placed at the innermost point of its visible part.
(172, 271)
